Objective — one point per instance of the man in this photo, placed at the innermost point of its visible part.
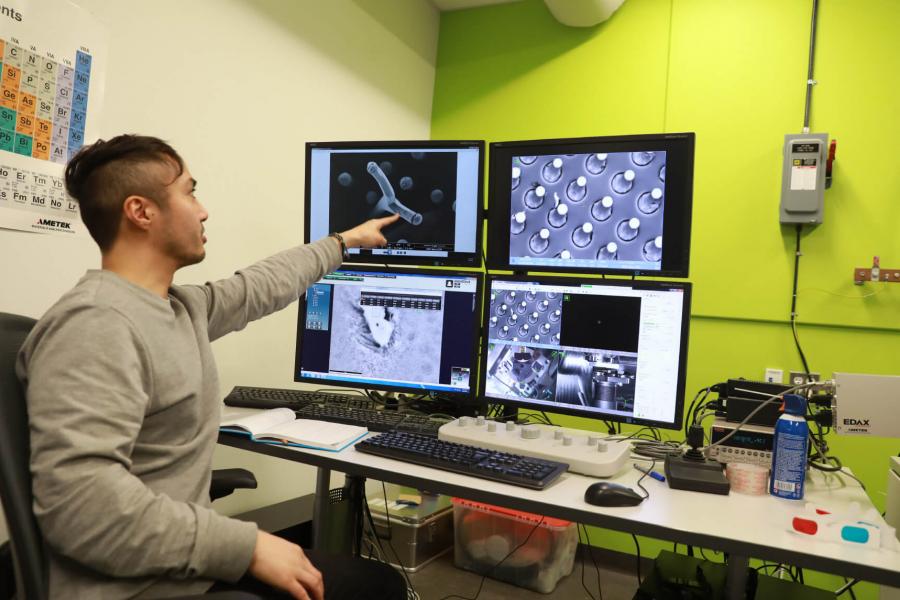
(123, 395)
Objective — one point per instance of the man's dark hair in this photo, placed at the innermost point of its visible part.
(102, 175)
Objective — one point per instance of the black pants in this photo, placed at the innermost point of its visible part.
(345, 577)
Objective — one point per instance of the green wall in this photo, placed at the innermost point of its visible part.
(734, 72)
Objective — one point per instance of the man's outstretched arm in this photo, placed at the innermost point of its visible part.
(271, 284)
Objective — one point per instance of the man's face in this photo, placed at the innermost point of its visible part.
(181, 231)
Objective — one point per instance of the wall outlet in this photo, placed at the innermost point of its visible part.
(774, 375)
(799, 377)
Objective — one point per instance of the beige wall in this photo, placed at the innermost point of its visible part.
(238, 87)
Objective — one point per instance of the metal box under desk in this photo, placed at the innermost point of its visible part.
(417, 534)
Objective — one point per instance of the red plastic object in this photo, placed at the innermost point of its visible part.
(517, 514)
(832, 149)
(806, 526)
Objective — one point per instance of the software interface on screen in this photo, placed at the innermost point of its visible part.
(596, 211)
(387, 329)
(600, 350)
(434, 190)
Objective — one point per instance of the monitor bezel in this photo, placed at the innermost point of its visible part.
(454, 258)
(499, 197)
(563, 409)
(460, 397)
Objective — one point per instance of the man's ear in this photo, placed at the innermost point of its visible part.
(140, 211)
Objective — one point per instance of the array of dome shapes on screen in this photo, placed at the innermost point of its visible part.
(606, 207)
(525, 316)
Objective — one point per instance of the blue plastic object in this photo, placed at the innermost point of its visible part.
(849, 533)
(790, 450)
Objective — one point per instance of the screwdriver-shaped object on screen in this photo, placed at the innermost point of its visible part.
(389, 202)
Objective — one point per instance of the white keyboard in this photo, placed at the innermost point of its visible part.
(586, 452)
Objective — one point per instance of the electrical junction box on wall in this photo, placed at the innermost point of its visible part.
(803, 178)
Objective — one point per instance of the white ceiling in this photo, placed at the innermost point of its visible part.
(459, 4)
(574, 13)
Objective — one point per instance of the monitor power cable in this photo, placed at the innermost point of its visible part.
(771, 398)
(590, 551)
(821, 461)
(797, 255)
(637, 546)
(410, 590)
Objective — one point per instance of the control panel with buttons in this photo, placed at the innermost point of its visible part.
(750, 444)
(586, 452)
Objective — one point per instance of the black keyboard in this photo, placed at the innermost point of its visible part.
(351, 409)
(374, 420)
(421, 424)
(459, 458)
(256, 397)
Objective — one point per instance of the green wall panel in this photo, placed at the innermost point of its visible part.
(512, 72)
(734, 72)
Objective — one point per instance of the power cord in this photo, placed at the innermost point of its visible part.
(583, 584)
(652, 434)
(637, 546)
(797, 255)
(649, 445)
(655, 449)
(590, 550)
(700, 401)
(769, 400)
(390, 536)
(779, 568)
(706, 558)
(341, 391)
(411, 590)
(641, 478)
(828, 464)
(847, 587)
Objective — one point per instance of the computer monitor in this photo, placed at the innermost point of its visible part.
(391, 329)
(610, 350)
(435, 186)
(597, 205)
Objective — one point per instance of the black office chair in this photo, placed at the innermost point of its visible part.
(25, 554)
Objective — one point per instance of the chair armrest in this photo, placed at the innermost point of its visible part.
(225, 481)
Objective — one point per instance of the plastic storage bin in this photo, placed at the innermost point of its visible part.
(485, 535)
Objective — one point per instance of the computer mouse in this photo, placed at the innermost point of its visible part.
(607, 493)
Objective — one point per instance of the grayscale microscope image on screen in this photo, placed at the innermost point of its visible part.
(387, 333)
(599, 379)
(563, 347)
(588, 210)
(596, 379)
(418, 186)
(522, 371)
(526, 316)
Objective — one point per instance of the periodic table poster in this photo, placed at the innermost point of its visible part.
(52, 57)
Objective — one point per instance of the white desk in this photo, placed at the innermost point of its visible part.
(743, 526)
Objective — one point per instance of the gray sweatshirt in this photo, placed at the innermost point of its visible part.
(124, 409)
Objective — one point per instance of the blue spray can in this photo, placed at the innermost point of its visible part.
(790, 450)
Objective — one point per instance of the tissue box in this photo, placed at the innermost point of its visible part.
(485, 535)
